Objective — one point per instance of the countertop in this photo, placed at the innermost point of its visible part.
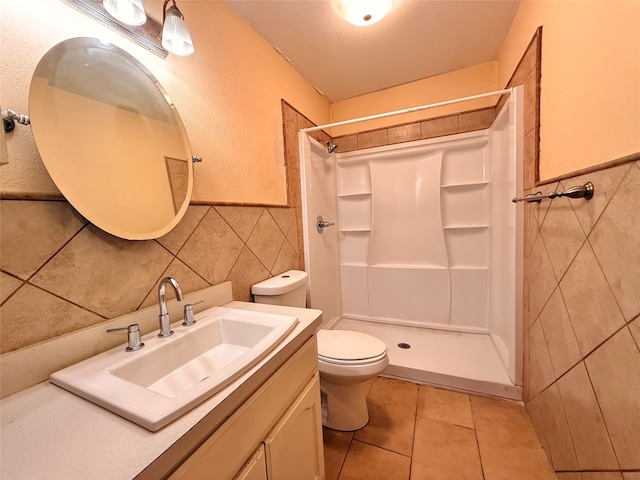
(47, 432)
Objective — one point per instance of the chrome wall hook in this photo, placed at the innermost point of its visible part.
(9, 119)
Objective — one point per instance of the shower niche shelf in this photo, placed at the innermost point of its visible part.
(355, 195)
(468, 267)
(466, 185)
(464, 227)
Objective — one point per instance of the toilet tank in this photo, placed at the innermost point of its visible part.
(288, 288)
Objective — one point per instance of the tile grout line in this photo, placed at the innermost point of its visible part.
(475, 434)
(413, 436)
(344, 459)
(378, 446)
(584, 358)
(604, 422)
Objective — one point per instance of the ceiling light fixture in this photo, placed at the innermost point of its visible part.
(362, 12)
(175, 35)
(130, 12)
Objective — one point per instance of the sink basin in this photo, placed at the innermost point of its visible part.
(169, 376)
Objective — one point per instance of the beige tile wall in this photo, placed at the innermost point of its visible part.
(408, 132)
(60, 274)
(583, 375)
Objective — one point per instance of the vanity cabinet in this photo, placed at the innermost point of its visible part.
(293, 448)
(255, 468)
(276, 434)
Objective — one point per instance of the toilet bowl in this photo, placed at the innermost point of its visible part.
(347, 360)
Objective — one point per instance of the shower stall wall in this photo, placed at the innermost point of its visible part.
(428, 251)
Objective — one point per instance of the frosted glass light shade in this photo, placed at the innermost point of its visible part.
(362, 12)
(175, 35)
(130, 12)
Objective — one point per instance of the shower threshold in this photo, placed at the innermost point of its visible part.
(461, 361)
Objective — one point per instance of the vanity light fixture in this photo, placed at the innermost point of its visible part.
(130, 12)
(147, 35)
(362, 12)
(175, 35)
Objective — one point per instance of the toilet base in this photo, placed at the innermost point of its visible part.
(344, 407)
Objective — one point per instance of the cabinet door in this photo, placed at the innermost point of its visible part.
(294, 446)
(255, 468)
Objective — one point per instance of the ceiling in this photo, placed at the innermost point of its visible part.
(417, 39)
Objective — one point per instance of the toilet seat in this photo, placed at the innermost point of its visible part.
(345, 347)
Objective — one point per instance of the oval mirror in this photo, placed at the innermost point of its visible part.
(111, 138)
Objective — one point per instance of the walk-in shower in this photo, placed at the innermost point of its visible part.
(426, 253)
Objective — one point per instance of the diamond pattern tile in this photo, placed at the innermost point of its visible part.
(592, 307)
(266, 240)
(562, 234)
(588, 431)
(8, 285)
(541, 209)
(246, 272)
(542, 279)
(614, 370)
(558, 331)
(616, 243)
(212, 249)
(534, 410)
(36, 230)
(241, 219)
(634, 328)
(292, 235)
(287, 260)
(284, 217)
(606, 183)
(176, 238)
(104, 274)
(28, 307)
(188, 280)
(563, 455)
(109, 276)
(540, 363)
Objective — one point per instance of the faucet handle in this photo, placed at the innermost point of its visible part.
(133, 336)
(188, 314)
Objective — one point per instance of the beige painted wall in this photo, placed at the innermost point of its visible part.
(590, 94)
(460, 83)
(228, 94)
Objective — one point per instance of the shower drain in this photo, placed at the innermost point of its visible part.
(404, 345)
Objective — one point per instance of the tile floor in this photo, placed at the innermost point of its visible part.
(417, 432)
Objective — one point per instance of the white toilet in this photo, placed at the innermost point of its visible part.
(346, 359)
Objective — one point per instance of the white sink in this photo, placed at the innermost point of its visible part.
(169, 376)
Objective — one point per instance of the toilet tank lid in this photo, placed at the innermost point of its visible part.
(280, 284)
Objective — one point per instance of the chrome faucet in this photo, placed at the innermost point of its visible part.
(165, 324)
